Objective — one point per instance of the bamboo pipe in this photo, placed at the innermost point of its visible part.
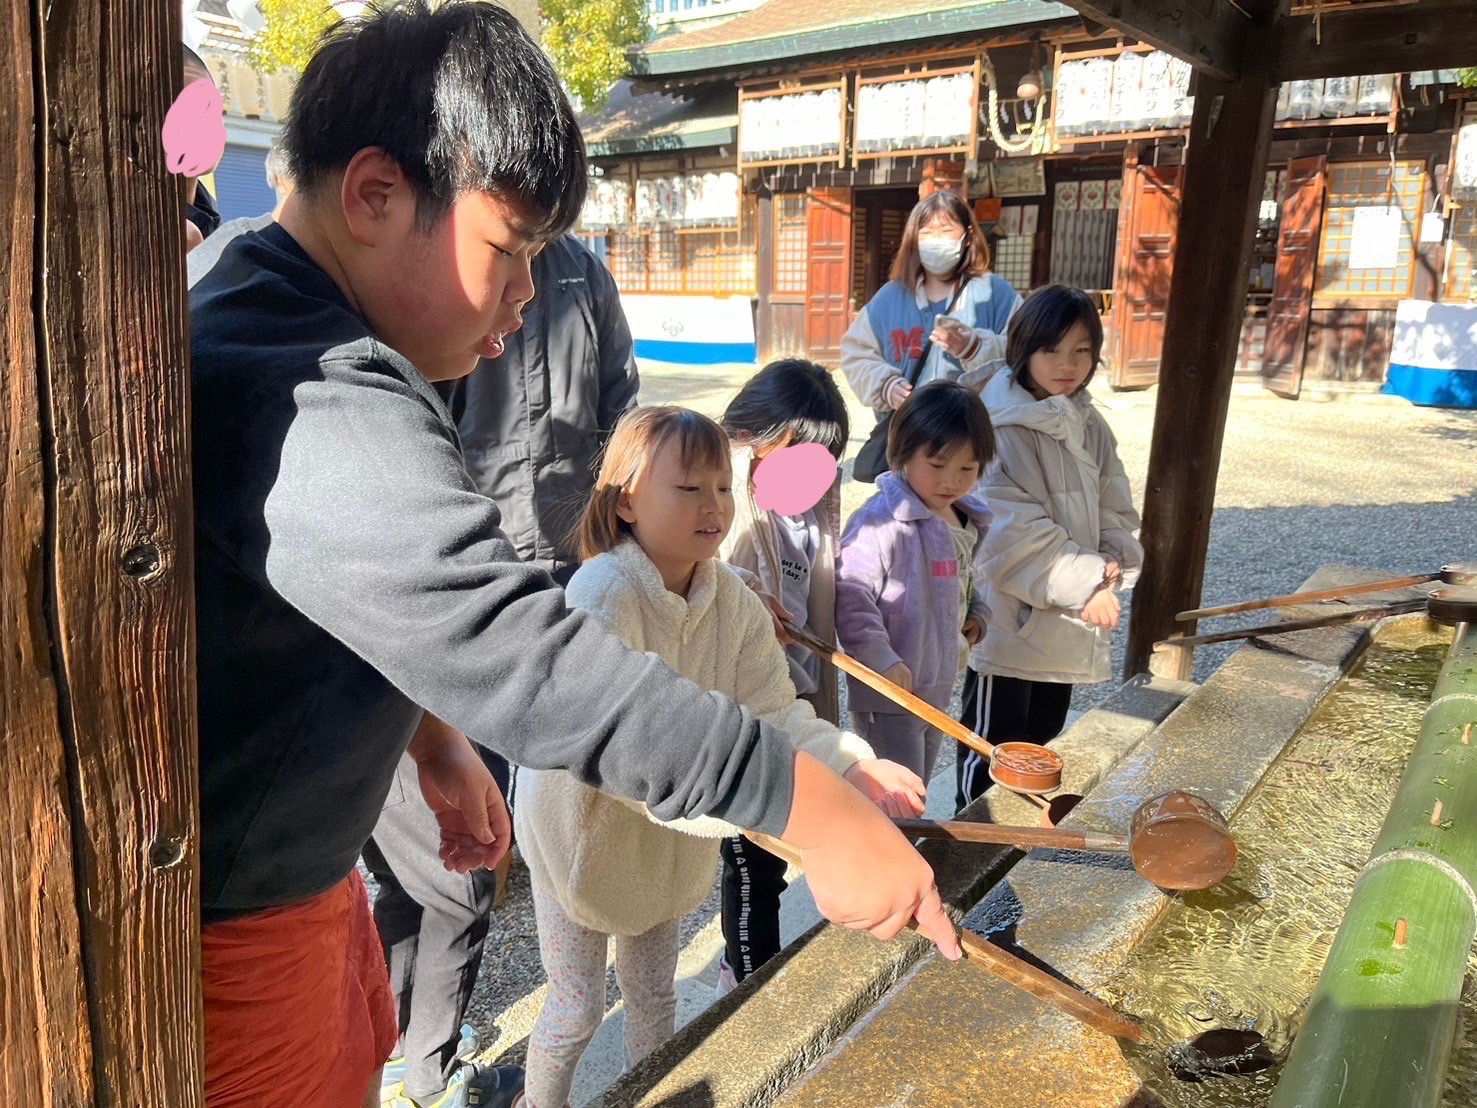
(1011, 969)
(1394, 974)
(904, 699)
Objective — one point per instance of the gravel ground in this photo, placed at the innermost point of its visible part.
(1364, 480)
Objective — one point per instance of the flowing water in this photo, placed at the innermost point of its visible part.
(1246, 955)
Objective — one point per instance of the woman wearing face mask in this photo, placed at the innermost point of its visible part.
(943, 313)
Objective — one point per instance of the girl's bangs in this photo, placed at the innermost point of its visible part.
(701, 443)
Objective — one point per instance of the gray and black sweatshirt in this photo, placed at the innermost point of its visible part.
(349, 575)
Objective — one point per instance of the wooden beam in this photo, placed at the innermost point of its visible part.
(1431, 34)
(43, 1002)
(99, 897)
(1209, 34)
(1222, 184)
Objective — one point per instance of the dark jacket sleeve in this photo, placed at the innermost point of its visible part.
(374, 531)
(619, 379)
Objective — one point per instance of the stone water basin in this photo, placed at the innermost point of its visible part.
(1244, 956)
(844, 1021)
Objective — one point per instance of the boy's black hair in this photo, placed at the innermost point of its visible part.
(941, 416)
(1044, 320)
(790, 401)
(195, 60)
(460, 97)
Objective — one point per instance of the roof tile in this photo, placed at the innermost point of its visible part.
(777, 18)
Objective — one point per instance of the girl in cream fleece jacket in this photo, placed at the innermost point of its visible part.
(602, 865)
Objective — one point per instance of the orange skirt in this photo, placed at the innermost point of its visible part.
(298, 1008)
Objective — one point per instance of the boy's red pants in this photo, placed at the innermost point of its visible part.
(298, 1008)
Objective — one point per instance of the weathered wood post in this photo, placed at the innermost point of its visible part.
(1225, 164)
(99, 826)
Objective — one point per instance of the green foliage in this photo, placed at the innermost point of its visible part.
(290, 35)
(587, 40)
(1467, 78)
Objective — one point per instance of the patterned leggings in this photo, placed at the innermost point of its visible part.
(574, 959)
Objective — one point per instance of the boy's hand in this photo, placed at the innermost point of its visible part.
(476, 830)
(1102, 609)
(894, 789)
(974, 630)
(900, 675)
(863, 874)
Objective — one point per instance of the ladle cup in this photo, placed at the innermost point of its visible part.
(1176, 840)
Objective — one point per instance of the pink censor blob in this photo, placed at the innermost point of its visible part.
(793, 479)
(194, 132)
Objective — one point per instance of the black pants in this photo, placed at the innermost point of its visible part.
(432, 923)
(752, 882)
(1003, 710)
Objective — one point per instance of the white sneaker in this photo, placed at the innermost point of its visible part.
(727, 982)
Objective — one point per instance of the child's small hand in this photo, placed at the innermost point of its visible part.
(1102, 609)
(900, 675)
(974, 630)
(1112, 572)
(895, 789)
(779, 616)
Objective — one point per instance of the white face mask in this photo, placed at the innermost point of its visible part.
(940, 256)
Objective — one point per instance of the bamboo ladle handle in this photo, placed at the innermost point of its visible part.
(1009, 968)
(1352, 615)
(1317, 597)
(1059, 838)
(904, 699)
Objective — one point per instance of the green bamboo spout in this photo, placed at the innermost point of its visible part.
(1381, 1021)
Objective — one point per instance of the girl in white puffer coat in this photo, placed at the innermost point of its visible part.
(1064, 536)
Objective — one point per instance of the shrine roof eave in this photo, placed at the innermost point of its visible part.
(806, 45)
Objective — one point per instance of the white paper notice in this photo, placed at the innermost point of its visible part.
(1375, 238)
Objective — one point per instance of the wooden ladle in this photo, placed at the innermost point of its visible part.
(1459, 573)
(1018, 972)
(1176, 840)
(1024, 768)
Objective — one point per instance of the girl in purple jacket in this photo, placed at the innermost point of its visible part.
(908, 599)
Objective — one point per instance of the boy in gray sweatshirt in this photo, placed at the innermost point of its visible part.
(356, 598)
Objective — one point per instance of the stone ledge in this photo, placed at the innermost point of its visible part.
(1080, 914)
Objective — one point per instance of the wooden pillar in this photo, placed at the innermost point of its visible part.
(764, 343)
(1225, 164)
(99, 827)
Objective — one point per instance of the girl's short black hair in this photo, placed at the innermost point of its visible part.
(461, 97)
(788, 402)
(1044, 320)
(941, 416)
